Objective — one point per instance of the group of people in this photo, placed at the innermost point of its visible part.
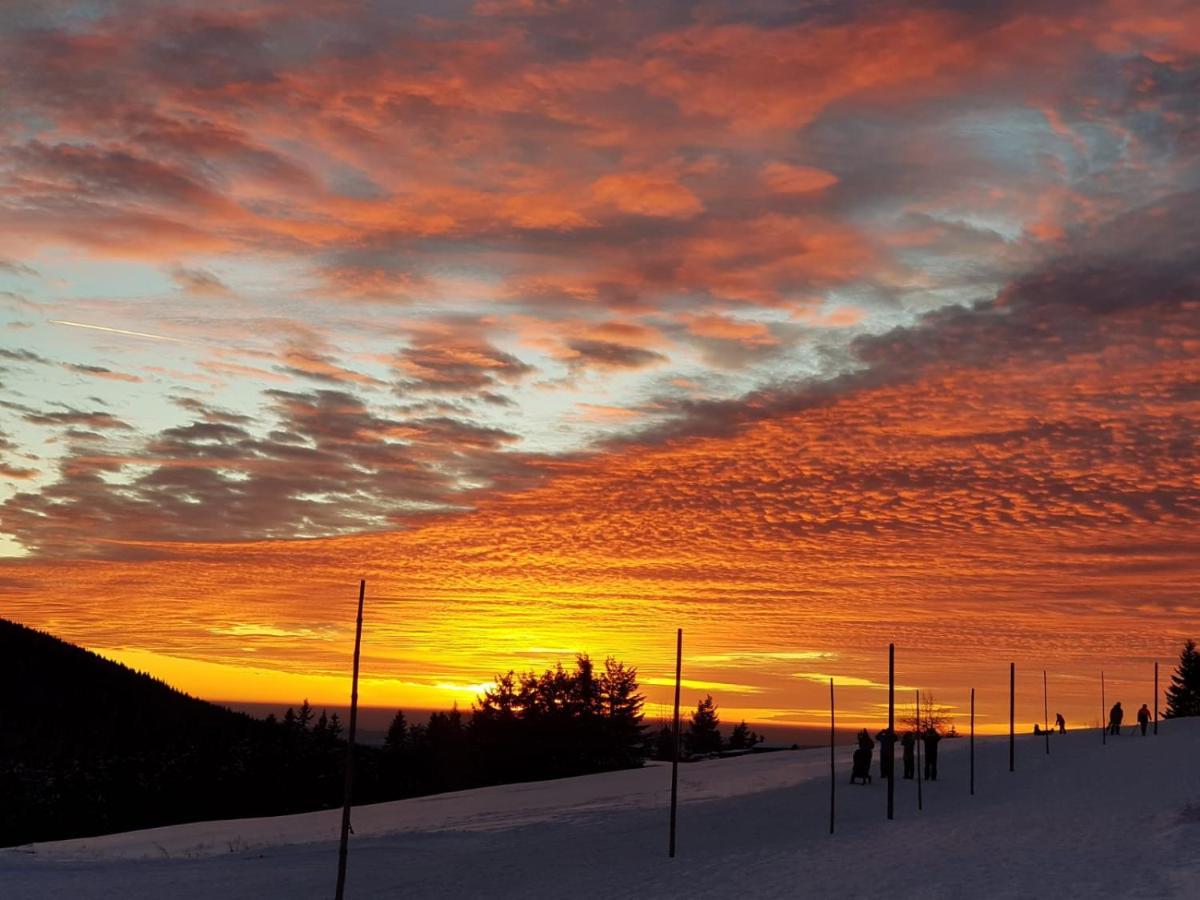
(1116, 716)
(887, 741)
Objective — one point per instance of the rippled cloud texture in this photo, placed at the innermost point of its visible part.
(807, 327)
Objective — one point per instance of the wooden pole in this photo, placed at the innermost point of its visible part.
(891, 777)
(676, 736)
(920, 804)
(343, 846)
(1103, 708)
(1046, 710)
(1156, 697)
(1012, 717)
(972, 742)
(832, 758)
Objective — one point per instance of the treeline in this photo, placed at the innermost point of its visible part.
(703, 735)
(526, 726)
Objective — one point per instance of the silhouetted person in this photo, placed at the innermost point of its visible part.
(1037, 729)
(1115, 715)
(862, 758)
(1060, 723)
(887, 758)
(1144, 718)
(908, 742)
(931, 744)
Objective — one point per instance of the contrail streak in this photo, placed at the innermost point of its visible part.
(141, 334)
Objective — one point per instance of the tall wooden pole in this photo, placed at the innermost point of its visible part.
(343, 846)
(920, 804)
(676, 736)
(832, 758)
(1012, 717)
(1046, 711)
(891, 776)
(1156, 697)
(972, 742)
(1103, 708)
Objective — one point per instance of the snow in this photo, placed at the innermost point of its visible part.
(1122, 820)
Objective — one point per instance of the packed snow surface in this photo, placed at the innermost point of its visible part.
(1121, 820)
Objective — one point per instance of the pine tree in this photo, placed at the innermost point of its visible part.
(664, 744)
(335, 727)
(1183, 694)
(305, 715)
(289, 719)
(704, 732)
(397, 734)
(740, 738)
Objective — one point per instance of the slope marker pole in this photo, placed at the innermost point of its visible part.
(343, 845)
(1156, 696)
(891, 772)
(919, 738)
(1046, 711)
(675, 735)
(1103, 707)
(972, 742)
(832, 759)
(1012, 717)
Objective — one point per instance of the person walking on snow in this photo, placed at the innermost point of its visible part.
(1144, 718)
(1115, 715)
(931, 744)
(1060, 723)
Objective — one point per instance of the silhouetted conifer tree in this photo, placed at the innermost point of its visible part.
(1183, 694)
(740, 738)
(704, 732)
(397, 734)
(305, 715)
(664, 744)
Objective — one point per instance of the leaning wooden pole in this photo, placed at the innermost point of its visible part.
(920, 738)
(676, 736)
(343, 846)
(1012, 717)
(1046, 711)
(891, 743)
(1103, 708)
(972, 742)
(1156, 697)
(832, 759)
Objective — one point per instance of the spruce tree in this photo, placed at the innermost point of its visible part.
(1183, 694)
(305, 715)
(704, 733)
(397, 734)
(740, 738)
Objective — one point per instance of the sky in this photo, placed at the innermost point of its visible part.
(805, 327)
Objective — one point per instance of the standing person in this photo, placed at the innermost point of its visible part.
(931, 744)
(1144, 718)
(887, 758)
(1060, 723)
(1115, 715)
(908, 742)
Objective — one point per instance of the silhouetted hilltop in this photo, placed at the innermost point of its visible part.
(89, 746)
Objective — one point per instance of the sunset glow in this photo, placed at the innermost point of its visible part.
(569, 324)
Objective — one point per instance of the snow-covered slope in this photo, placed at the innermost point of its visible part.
(1121, 820)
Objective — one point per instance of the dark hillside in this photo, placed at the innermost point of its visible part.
(88, 746)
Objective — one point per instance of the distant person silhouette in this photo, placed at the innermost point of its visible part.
(908, 742)
(1115, 715)
(1143, 717)
(1060, 723)
(862, 758)
(932, 738)
(887, 757)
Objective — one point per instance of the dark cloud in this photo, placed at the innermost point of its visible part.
(610, 355)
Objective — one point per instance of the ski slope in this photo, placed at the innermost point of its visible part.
(1121, 820)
